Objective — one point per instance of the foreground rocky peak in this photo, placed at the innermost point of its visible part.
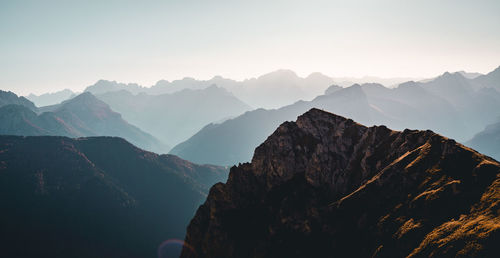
(326, 186)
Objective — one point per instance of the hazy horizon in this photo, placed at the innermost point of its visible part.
(52, 45)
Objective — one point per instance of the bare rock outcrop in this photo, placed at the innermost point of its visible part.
(326, 186)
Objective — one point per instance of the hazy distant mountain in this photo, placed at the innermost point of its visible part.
(270, 90)
(166, 87)
(83, 115)
(173, 118)
(234, 140)
(332, 89)
(103, 86)
(490, 80)
(8, 97)
(94, 197)
(326, 186)
(388, 82)
(450, 104)
(51, 98)
(280, 88)
(469, 75)
(487, 141)
(478, 105)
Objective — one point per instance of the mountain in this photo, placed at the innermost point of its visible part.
(451, 105)
(284, 87)
(83, 115)
(332, 89)
(235, 139)
(326, 186)
(490, 80)
(166, 87)
(20, 120)
(103, 86)
(94, 197)
(8, 97)
(271, 90)
(469, 75)
(476, 104)
(280, 88)
(389, 82)
(51, 98)
(487, 141)
(173, 118)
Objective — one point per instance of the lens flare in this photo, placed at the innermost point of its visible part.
(173, 248)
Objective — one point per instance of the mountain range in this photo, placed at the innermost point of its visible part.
(53, 98)
(173, 118)
(326, 186)
(270, 90)
(94, 197)
(83, 115)
(450, 104)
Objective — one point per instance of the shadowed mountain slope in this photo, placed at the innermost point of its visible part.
(326, 186)
(8, 98)
(83, 115)
(94, 197)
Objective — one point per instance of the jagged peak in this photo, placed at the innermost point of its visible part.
(448, 75)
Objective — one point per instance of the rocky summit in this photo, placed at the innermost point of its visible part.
(326, 186)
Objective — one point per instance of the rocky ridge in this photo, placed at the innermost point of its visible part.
(327, 186)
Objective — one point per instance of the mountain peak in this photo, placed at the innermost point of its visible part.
(340, 188)
(317, 114)
(280, 74)
(9, 97)
(84, 98)
(448, 75)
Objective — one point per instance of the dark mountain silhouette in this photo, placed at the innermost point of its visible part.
(84, 115)
(326, 186)
(8, 97)
(173, 118)
(487, 141)
(48, 99)
(94, 197)
(450, 105)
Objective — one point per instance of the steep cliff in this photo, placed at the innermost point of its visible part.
(325, 186)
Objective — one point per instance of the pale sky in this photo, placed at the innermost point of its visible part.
(51, 45)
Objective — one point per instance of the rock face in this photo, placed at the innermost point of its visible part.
(325, 186)
(94, 197)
